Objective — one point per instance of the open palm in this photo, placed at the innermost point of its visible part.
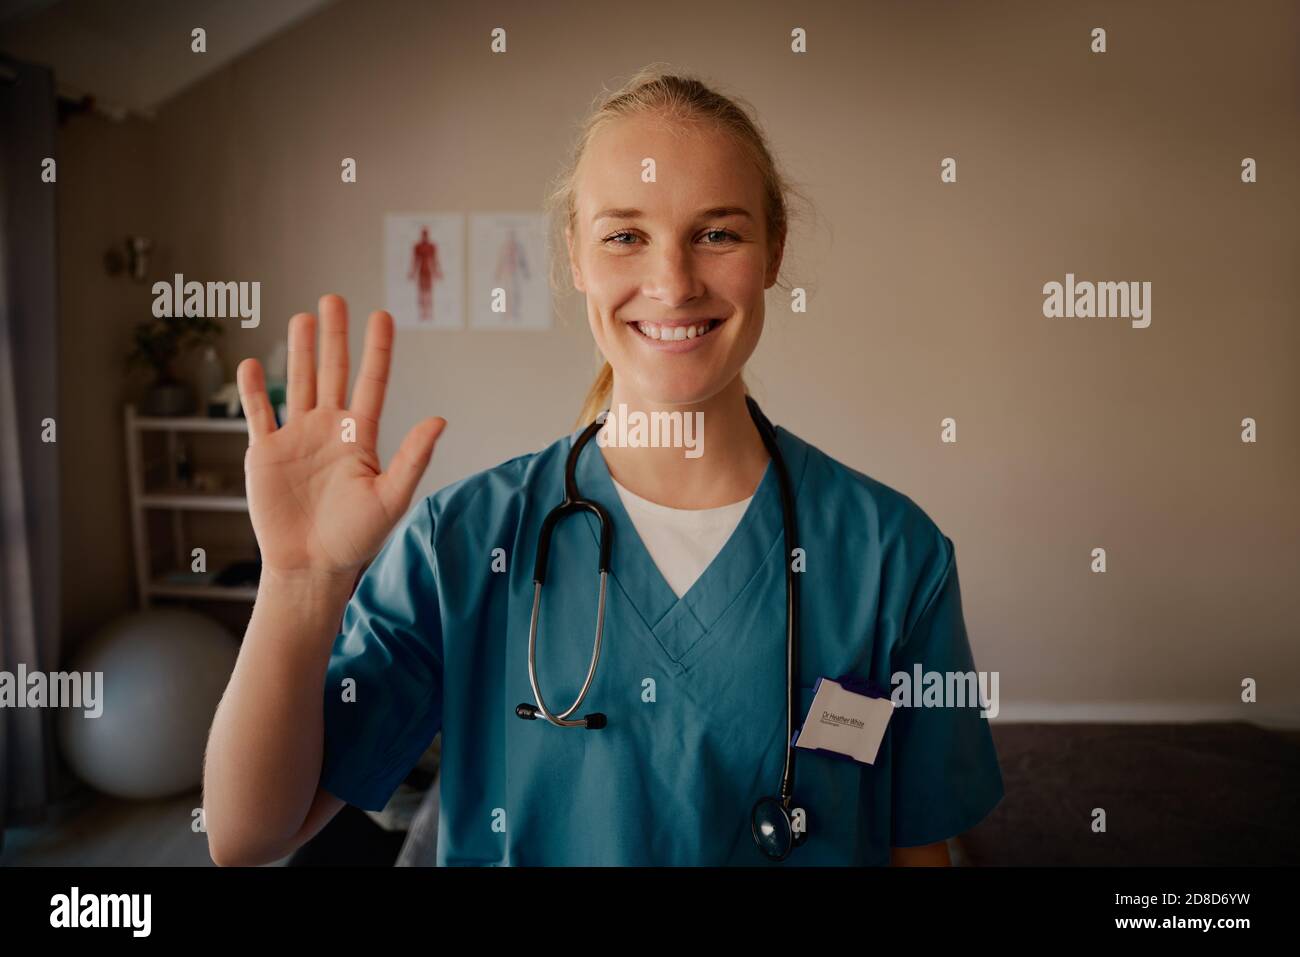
(317, 497)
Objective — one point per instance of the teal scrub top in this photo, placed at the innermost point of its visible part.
(435, 638)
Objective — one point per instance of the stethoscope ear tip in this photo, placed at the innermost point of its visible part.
(526, 711)
(595, 721)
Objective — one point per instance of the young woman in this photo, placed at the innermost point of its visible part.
(736, 578)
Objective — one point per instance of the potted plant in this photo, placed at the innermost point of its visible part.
(158, 342)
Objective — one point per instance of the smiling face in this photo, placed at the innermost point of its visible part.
(673, 270)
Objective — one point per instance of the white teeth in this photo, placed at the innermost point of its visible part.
(672, 333)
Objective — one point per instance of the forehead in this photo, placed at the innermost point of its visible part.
(697, 165)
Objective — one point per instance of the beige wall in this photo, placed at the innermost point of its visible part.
(105, 170)
(925, 299)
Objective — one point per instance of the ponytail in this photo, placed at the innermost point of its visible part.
(598, 395)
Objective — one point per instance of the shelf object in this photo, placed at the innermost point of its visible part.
(160, 588)
(195, 500)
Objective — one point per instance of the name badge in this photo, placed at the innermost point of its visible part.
(847, 719)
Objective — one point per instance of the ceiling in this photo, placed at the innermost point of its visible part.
(134, 55)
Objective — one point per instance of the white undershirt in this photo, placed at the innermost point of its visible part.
(682, 541)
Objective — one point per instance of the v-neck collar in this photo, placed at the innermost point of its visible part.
(682, 625)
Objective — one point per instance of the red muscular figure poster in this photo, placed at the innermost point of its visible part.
(424, 270)
(423, 267)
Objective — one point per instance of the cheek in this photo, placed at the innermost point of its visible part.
(740, 281)
(745, 283)
(606, 294)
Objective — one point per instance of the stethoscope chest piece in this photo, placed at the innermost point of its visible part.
(774, 829)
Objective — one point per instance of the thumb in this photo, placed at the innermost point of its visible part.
(397, 484)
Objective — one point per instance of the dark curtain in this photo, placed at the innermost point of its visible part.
(29, 473)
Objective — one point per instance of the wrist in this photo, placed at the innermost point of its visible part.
(309, 584)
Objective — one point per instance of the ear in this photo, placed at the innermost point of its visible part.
(574, 271)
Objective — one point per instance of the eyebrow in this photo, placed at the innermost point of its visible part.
(715, 212)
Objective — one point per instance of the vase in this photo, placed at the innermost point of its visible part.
(169, 398)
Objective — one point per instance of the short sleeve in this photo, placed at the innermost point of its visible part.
(946, 776)
(383, 684)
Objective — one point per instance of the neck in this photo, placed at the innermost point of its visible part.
(729, 469)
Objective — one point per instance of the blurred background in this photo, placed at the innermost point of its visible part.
(1121, 690)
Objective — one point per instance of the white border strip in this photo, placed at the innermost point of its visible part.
(1147, 712)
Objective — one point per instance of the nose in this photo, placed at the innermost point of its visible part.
(673, 278)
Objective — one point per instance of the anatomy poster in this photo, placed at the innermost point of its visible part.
(424, 268)
(508, 271)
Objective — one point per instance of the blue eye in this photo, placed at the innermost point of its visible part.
(726, 234)
(730, 236)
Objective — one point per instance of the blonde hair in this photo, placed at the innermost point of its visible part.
(659, 91)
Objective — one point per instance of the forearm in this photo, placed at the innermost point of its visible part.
(263, 759)
(926, 855)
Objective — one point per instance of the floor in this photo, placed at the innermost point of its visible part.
(1203, 794)
(96, 831)
(1200, 794)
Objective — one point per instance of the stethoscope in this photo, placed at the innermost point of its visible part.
(771, 819)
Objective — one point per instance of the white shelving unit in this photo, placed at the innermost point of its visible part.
(177, 500)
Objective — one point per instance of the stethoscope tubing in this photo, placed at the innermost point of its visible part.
(790, 530)
(560, 720)
(574, 503)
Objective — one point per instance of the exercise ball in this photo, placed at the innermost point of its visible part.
(164, 672)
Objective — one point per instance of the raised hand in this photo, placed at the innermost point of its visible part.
(320, 504)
